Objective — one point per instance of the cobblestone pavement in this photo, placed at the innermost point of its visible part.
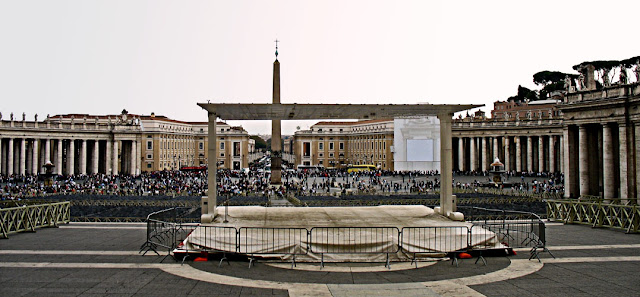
(101, 259)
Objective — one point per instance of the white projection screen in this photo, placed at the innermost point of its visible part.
(420, 150)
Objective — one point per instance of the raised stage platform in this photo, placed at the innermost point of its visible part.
(340, 234)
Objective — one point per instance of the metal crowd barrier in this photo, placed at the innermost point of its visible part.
(596, 213)
(354, 240)
(32, 217)
(514, 229)
(426, 240)
(290, 241)
(162, 227)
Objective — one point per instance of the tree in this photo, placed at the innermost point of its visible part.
(524, 94)
(545, 78)
(260, 143)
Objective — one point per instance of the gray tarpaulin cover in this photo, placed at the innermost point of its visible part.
(339, 233)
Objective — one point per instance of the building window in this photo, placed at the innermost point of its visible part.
(149, 145)
(236, 149)
(148, 165)
(201, 145)
(306, 149)
(341, 146)
(222, 145)
(149, 156)
(331, 145)
(320, 155)
(221, 154)
(321, 146)
(330, 155)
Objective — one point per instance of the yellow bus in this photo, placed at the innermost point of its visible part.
(357, 168)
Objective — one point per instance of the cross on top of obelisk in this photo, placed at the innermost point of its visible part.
(277, 48)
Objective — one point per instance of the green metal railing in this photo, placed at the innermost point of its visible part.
(30, 217)
(595, 213)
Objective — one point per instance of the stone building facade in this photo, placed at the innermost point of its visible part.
(522, 145)
(114, 144)
(338, 144)
(602, 151)
(173, 144)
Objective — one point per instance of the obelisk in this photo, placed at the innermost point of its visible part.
(276, 138)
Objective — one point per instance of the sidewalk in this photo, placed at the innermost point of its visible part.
(82, 259)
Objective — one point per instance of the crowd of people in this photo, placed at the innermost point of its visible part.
(176, 183)
(237, 182)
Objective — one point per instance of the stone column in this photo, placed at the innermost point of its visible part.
(1, 156)
(95, 158)
(461, 153)
(561, 141)
(496, 149)
(552, 154)
(518, 153)
(83, 157)
(47, 153)
(114, 170)
(107, 158)
(23, 155)
(276, 131)
(10, 157)
(71, 157)
(34, 157)
(59, 158)
(114, 157)
(568, 174)
(484, 153)
(608, 162)
(583, 163)
(507, 154)
(212, 170)
(625, 157)
(138, 159)
(473, 154)
(637, 170)
(529, 154)
(446, 159)
(132, 167)
(541, 154)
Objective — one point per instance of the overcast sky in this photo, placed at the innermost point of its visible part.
(99, 57)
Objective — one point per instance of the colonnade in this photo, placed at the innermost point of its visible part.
(520, 153)
(602, 160)
(27, 156)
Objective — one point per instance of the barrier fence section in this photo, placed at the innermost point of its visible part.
(516, 229)
(512, 228)
(32, 217)
(162, 230)
(433, 240)
(596, 214)
(354, 240)
(259, 240)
